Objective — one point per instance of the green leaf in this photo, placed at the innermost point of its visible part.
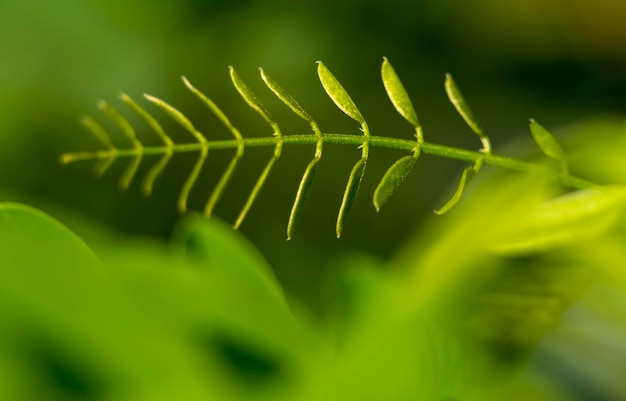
(131, 170)
(119, 120)
(301, 196)
(103, 136)
(249, 96)
(153, 174)
(129, 133)
(350, 194)
(577, 216)
(255, 103)
(98, 131)
(191, 180)
(34, 242)
(213, 107)
(217, 247)
(397, 94)
(177, 116)
(285, 97)
(155, 171)
(546, 141)
(338, 94)
(148, 119)
(220, 187)
(466, 177)
(255, 191)
(461, 106)
(392, 180)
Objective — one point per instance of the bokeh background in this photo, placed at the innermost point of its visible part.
(562, 62)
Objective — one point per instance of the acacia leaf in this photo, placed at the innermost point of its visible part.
(546, 141)
(255, 191)
(119, 120)
(457, 99)
(397, 94)
(177, 116)
(148, 119)
(338, 94)
(98, 131)
(249, 96)
(301, 196)
(350, 194)
(221, 185)
(284, 96)
(467, 175)
(213, 107)
(191, 180)
(392, 180)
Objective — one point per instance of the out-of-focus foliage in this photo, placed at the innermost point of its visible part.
(457, 314)
(451, 316)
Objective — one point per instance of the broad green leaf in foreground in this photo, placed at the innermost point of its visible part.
(576, 216)
(29, 237)
(216, 246)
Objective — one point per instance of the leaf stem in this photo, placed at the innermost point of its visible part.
(449, 152)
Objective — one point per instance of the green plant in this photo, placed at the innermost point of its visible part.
(462, 312)
(394, 176)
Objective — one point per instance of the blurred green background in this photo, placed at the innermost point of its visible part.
(561, 62)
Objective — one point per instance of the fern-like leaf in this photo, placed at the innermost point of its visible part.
(392, 179)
